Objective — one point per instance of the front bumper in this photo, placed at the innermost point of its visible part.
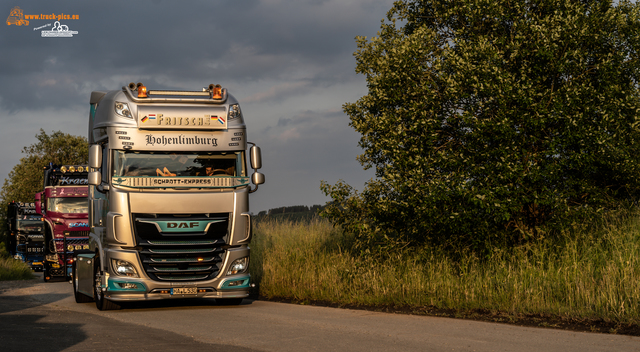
(115, 293)
(122, 288)
(36, 265)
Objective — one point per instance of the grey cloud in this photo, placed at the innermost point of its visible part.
(280, 91)
(323, 148)
(289, 63)
(227, 41)
(283, 122)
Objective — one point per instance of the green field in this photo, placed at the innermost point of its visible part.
(593, 277)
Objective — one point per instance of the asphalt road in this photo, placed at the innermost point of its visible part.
(38, 316)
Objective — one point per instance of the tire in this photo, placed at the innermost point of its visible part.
(229, 301)
(80, 297)
(98, 296)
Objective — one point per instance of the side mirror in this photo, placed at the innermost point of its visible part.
(38, 204)
(257, 178)
(256, 157)
(95, 156)
(95, 178)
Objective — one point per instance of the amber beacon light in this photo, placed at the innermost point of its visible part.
(216, 91)
(142, 91)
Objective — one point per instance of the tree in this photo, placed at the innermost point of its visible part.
(26, 178)
(494, 122)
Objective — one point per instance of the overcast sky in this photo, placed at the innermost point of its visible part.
(290, 64)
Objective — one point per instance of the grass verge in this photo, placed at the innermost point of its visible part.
(12, 269)
(589, 282)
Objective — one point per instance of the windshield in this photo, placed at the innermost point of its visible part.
(130, 163)
(30, 226)
(68, 205)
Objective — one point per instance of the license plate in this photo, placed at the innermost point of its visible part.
(184, 291)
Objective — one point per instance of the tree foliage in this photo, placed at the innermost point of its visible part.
(493, 122)
(26, 178)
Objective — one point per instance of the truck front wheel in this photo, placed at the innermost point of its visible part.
(102, 303)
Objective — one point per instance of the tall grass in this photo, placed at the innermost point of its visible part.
(592, 275)
(12, 269)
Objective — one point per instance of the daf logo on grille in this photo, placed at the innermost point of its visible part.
(182, 225)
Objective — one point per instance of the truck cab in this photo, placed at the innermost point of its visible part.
(168, 197)
(63, 207)
(25, 234)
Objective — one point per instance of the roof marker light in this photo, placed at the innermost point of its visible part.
(234, 111)
(142, 91)
(122, 109)
(216, 91)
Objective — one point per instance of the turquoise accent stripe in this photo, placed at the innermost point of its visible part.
(244, 284)
(113, 286)
(87, 255)
(92, 112)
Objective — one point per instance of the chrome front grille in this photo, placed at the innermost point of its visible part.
(181, 256)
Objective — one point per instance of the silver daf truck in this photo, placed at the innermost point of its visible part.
(168, 197)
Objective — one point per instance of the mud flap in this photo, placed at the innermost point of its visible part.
(84, 264)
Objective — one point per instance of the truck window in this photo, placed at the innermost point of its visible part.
(105, 167)
(68, 205)
(136, 163)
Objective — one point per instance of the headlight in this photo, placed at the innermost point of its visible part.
(122, 109)
(238, 266)
(123, 268)
(234, 112)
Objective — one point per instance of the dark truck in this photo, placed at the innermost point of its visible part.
(63, 206)
(25, 237)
